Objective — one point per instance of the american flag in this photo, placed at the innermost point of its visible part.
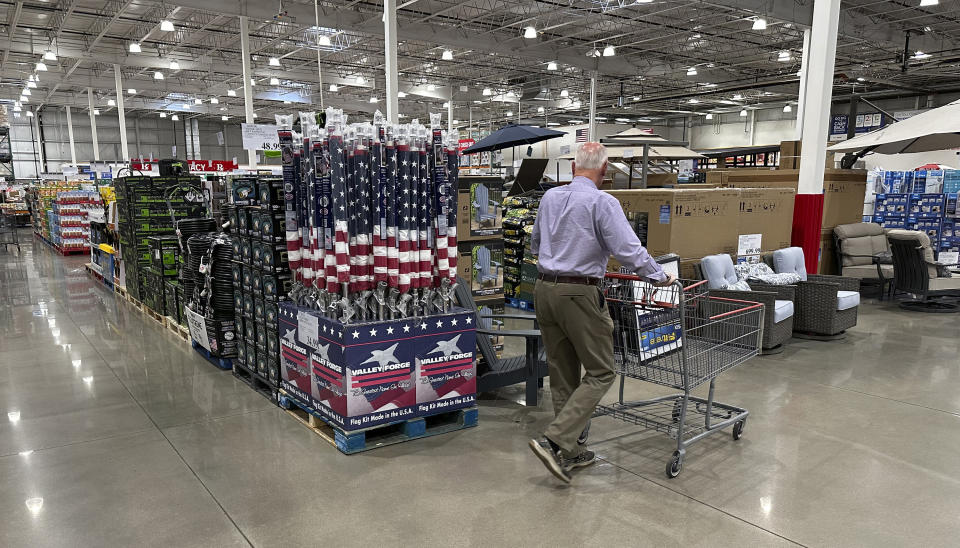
(404, 244)
(340, 214)
(390, 218)
(582, 135)
(423, 217)
(453, 169)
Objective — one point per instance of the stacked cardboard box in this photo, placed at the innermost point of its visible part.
(518, 220)
(480, 258)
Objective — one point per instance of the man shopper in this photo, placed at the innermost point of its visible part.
(578, 228)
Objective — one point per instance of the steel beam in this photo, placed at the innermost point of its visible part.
(817, 99)
(247, 88)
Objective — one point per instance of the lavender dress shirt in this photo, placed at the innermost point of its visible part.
(579, 227)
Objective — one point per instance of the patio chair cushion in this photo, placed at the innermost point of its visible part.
(860, 241)
(718, 271)
(945, 284)
(921, 240)
(782, 310)
(761, 272)
(867, 271)
(790, 260)
(847, 299)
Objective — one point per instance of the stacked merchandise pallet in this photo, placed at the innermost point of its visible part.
(69, 219)
(920, 200)
(43, 199)
(261, 277)
(521, 264)
(143, 213)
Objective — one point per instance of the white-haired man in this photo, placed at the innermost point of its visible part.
(578, 228)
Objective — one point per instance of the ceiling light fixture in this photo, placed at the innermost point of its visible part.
(861, 79)
(692, 71)
(224, 118)
(759, 24)
(552, 65)
(17, 108)
(743, 113)
(197, 101)
(163, 114)
(41, 66)
(540, 110)
(709, 116)
(333, 87)
(738, 97)
(360, 79)
(609, 51)
(274, 62)
(787, 108)
(401, 94)
(783, 56)
(174, 65)
(447, 55)
(24, 99)
(175, 118)
(26, 92)
(233, 93)
(487, 91)
(253, 82)
(928, 3)
(287, 102)
(134, 47)
(31, 84)
(32, 78)
(158, 75)
(921, 55)
(274, 81)
(431, 87)
(564, 93)
(693, 101)
(96, 112)
(374, 99)
(509, 113)
(131, 91)
(324, 40)
(530, 33)
(50, 55)
(29, 114)
(214, 101)
(167, 26)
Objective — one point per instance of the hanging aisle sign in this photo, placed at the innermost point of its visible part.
(260, 137)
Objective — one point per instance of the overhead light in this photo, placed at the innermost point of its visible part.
(131, 91)
(26, 91)
(487, 91)
(253, 82)
(32, 78)
(287, 102)
(643, 1)
(564, 93)
(186, 106)
(360, 79)
(324, 40)
(509, 113)
(622, 119)
(31, 84)
(16, 114)
(333, 87)
(787, 108)
(861, 79)
(254, 114)
(158, 75)
(709, 116)
(24, 99)
(174, 65)
(214, 101)
(197, 101)
(41, 66)
(594, 53)
(921, 55)
(576, 121)
(552, 65)
(401, 94)
(553, 123)
(374, 99)
(175, 118)
(96, 112)
(743, 113)
(759, 24)
(274, 81)
(134, 47)
(233, 93)
(224, 118)
(783, 56)
(111, 103)
(530, 33)
(29, 114)
(17, 108)
(431, 87)
(539, 110)
(223, 109)
(274, 62)
(609, 51)
(511, 94)
(693, 101)
(446, 104)
(166, 25)
(163, 114)
(447, 55)
(928, 3)
(738, 97)
(692, 71)
(50, 55)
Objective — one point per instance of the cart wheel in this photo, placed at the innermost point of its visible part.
(675, 465)
(737, 430)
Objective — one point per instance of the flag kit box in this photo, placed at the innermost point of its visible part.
(365, 374)
(479, 207)
(481, 265)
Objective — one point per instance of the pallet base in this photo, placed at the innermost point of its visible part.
(157, 317)
(356, 441)
(519, 303)
(93, 272)
(177, 329)
(220, 363)
(256, 382)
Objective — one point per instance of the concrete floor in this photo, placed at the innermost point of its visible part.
(130, 439)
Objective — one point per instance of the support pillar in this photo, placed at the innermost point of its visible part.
(592, 132)
(804, 69)
(808, 211)
(73, 148)
(121, 115)
(316, 18)
(390, 56)
(93, 126)
(39, 137)
(247, 88)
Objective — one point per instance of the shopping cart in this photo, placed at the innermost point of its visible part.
(678, 336)
(8, 226)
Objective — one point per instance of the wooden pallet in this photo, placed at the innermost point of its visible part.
(356, 441)
(179, 330)
(137, 304)
(120, 290)
(93, 272)
(157, 317)
(219, 363)
(255, 381)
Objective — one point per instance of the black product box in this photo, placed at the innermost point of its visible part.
(270, 193)
(241, 324)
(479, 209)
(170, 297)
(274, 257)
(273, 226)
(273, 344)
(246, 250)
(256, 285)
(238, 301)
(273, 373)
(237, 243)
(249, 330)
(253, 223)
(241, 353)
(251, 361)
(480, 263)
(246, 280)
(276, 287)
(165, 254)
(173, 167)
(270, 314)
(228, 216)
(243, 221)
(243, 190)
(261, 335)
(248, 306)
(258, 307)
(256, 252)
(236, 273)
(261, 362)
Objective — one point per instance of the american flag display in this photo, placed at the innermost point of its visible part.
(581, 135)
(371, 223)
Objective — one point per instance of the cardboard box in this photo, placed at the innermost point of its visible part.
(479, 209)
(843, 201)
(480, 263)
(769, 213)
(492, 305)
(828, 256)
(366, 374)
(690, 223)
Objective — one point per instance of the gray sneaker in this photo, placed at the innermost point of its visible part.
(585, 458)
(550, 458)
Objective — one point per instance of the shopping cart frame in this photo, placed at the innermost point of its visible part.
(670, 413)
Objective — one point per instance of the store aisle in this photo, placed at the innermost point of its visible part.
(129, 438)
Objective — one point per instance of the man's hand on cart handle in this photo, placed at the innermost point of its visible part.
(669, 280)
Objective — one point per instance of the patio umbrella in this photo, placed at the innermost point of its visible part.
(511, 136)
(936, 129)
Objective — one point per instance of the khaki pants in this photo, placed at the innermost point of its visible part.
(576, 329)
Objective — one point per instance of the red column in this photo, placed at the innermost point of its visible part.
(807, 222)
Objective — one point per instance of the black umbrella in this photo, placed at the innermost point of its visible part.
(511, 136)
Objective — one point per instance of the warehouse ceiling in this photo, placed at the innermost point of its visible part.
(495, 71)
